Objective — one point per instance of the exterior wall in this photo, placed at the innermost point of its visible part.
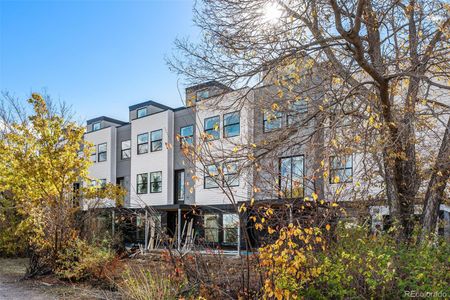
(106, 169)
(220, 106)
(151, 109)
(153, 161)
(298, 143)
(123, 165)
(184, 117)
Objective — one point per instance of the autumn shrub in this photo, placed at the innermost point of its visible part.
(83, 261)
(289, 264)
(353, 265)
(147, 284)
(356, 266)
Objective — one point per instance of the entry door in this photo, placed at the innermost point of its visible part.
(179, 187)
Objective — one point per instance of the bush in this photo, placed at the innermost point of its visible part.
(356, 265)
(84, 261)
(143, 284)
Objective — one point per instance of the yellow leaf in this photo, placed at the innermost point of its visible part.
(328, 227)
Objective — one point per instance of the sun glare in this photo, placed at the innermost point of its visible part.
(272, 12)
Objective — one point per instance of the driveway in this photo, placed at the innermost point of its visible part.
(12, 288)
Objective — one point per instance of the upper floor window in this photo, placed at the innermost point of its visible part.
(230, 174)
(210, 178)
(341, 169)
(96, 126)
(272, 121)
(125, 150)
(203, 94)
(142, 141)
(156, 140)
(142, 183)
(291, 176)
(231, 124)
(187, 135)
(102, 155)
(94, 157)
(141, 112)
(212, 127)
(296, 110)
(156, 182)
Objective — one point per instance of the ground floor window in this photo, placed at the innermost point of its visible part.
(230, 228)
(211, 227)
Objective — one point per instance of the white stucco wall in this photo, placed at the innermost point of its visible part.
(152, 161)
(220, 106)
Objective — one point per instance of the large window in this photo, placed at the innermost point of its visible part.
(231, 124)
(211, 227)
(96, 126)
(156, 140)
(272, 121)
(230, 228)
(142, 183)
(102, 155)
(125, 150)
(212, 127)
(341, 169)
(291, 176)
(296, 110)
(230, 173)
(187, 136)
(203, 94)
(142, 146)
(141, 112)
(156, 182)
(210, 178)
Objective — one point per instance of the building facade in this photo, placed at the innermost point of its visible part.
(191, 164)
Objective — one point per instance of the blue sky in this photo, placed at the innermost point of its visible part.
(98, 56)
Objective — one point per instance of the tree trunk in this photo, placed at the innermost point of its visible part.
(436, 186)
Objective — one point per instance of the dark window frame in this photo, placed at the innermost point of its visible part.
(208, 130)
(226, 175)
(139, 144)
(335, 171)
(159, 181)
(266, 121)
(280, 175)
(156, 141)
(138, 189)
(100, 153)
(184, 138)
(296, 112)
(207, 175)
(122, 150)
(232, 124)
(216, 228)
(226, 229)
(99, 126)
(197, 93)
(180, 188)
(141, 109)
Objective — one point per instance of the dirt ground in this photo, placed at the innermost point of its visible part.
(12, 287)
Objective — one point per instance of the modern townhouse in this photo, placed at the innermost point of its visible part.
(190, 164)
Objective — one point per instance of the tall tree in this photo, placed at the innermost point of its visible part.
(43, 156)
(388, 59)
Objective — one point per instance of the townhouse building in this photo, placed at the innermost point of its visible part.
(190, 164)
